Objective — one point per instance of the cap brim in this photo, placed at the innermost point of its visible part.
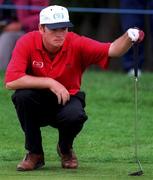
(59, 25)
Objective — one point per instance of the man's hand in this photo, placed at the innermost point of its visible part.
(135, 35)
(60, 91)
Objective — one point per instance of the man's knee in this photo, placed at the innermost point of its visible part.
(76, 117)
(73, 117)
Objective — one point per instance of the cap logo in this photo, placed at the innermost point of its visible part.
(58, 16)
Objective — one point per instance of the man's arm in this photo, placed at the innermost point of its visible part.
(121, 45)
(28, 81)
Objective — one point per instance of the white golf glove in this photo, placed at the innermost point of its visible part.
(135, 34)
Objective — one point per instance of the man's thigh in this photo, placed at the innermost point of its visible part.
(40, 105)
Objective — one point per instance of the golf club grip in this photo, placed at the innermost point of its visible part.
(135, 58)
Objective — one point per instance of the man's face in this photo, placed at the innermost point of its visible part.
(53, 39)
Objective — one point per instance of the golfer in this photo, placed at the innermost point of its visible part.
(45, 71)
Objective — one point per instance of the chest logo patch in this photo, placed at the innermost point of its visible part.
(38, 64)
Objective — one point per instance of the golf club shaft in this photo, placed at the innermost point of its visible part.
(136, 117)
(136, 103)
(135, 58)
(136, 123)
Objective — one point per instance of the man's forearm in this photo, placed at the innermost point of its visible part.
(120, 46)
(29, 82)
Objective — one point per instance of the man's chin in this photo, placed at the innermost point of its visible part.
(58, 45)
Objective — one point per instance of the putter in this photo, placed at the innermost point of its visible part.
(135, 57)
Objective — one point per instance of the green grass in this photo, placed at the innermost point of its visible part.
(105, 147)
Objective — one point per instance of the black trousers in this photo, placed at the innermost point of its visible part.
(38, 108)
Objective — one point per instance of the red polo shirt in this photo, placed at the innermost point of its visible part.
(77, 53)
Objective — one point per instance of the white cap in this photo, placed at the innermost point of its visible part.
(55, 17)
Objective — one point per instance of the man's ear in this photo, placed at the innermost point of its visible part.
(41, 28)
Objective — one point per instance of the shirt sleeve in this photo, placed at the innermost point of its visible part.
(94, 52)
(18, 64)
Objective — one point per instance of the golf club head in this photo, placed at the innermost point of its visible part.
(137, 173)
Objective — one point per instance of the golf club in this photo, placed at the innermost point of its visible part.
(135, 57)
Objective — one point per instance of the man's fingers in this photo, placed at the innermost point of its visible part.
(135, 34)
(62, 95)
(65, 98)
(59, 98)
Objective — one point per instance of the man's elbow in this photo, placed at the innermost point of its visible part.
(9, 86)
